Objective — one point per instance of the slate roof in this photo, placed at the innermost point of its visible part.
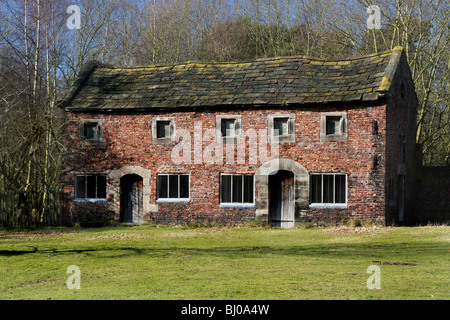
(264, 82)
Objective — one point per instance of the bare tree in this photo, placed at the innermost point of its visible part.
(422, 28)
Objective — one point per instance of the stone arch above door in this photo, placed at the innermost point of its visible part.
(301, 186)
(113, 188)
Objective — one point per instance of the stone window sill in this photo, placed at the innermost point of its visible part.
(328, 206)
(172, 200)
(237, 205)
(91, 200)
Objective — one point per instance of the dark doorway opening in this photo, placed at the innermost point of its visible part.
(131, 186)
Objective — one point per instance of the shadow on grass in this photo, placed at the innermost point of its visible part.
(344, 251)
(7, 253)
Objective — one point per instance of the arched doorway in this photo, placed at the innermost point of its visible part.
(131, 187)
(271, 179)
(282, 199)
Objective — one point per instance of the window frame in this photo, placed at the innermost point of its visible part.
(159, 125)
(236, 204)
(342, 136)
(86, 199)
(220, 138)
(328, 125)
(290, 137)
(333, 204)
(89, 141)
(169, 199)
(172, 129)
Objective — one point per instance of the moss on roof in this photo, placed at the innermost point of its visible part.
(262, 82)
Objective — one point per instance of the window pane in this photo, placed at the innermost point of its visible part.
(316, 188)
(91, 130)
(81, 187)
(333, 125)
(163, 129)
(184, 186)
(340, 188)
(228, 127)
(328, 188)
(91, 186)
(226, 188)
(237, 189)
(281, 125)
(101, 187)
(248, 189)
(162, 184)
(173, 186)
(167, 130)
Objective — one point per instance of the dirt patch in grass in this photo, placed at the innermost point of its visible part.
(112, 236)
(346, 229)
(413, 263)
(36, 235)
(183, 234)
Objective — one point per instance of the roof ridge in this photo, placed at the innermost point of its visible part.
(389, 72)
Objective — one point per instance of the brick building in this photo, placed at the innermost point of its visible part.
(280, 139)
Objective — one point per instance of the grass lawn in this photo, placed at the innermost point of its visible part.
(174, 262)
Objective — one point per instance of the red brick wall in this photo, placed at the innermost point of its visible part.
(401, 120)
(128, 141)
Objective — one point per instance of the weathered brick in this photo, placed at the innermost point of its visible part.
(128, 141)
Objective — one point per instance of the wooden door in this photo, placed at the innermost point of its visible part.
(287, 200)
(282, 196)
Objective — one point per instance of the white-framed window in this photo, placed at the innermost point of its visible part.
(172, 187)
(328, 189)
(281, 127)
(228, 128)
(237, 189)
(90, 187)
(333, 127)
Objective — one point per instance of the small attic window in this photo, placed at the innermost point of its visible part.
(228, 128)
(281, 127)
(91, 130)
(163, 130)
(333, 127)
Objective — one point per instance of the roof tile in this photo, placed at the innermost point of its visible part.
(270, 81)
